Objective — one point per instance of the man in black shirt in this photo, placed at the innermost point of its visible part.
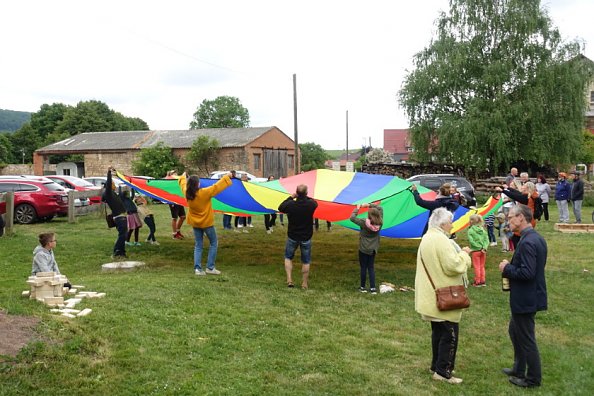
(299, 209)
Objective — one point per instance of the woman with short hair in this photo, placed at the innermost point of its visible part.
(447, 264)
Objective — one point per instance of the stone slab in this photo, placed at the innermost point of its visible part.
(122, 265)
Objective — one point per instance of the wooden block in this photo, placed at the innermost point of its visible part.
(68, 315)
(100, 295)
(25, 293)
(45, 274)
(70, 310)
(51, 301)
(78, 287)
(85, 312)
(72, 291)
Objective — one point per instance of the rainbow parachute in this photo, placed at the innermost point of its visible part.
(337, 194)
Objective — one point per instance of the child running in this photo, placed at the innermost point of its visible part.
(369, 239)
(479, 242)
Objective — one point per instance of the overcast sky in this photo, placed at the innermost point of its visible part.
(158, 60)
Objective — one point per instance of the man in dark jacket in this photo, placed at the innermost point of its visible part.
(442, 200)
(119, 216)
(528, 295)
(577, 196)
(299, 209)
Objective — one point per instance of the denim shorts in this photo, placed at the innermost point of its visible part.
(305, 247)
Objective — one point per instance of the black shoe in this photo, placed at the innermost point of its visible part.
(509, 372)
(521, 382)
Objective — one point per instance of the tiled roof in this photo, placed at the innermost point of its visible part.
(127, 140)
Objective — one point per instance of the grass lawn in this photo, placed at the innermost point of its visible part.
(162, 330)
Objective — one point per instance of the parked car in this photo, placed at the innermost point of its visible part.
(78, 202)
(34, 200)
(99, 181)
(434, 181)
(77, 184)
(238, 174)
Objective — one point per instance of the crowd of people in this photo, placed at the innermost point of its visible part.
(440, 260)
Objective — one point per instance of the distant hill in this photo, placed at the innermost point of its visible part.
(12, 120)
(335, 154)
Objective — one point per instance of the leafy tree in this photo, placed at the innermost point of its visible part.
(155, 161)
(496, 85)
(204, 154)
(24, 142)
(588, 148)
(313, 156)
(57, 121)
(46, 120)
(223, 112)
(6, 152)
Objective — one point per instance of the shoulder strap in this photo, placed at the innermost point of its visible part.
(427, 272)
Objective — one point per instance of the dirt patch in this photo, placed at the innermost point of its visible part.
(17, 331)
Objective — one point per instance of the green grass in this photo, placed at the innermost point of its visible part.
(162, 330)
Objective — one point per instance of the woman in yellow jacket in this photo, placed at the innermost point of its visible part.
(447, 264)
(201, 218)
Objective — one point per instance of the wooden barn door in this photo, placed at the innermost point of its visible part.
(275, 163)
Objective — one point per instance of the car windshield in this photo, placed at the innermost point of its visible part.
(460, 184)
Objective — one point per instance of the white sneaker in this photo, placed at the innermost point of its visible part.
(199, 272)
(251, 225)
(239, 225)
(155, 243)
(269, 231)
(493, 244)
(451, 380)
(213, 271)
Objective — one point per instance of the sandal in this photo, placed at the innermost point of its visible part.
(290, 284)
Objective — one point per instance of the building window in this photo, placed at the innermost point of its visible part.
(591, 96)
(291, 164)
(257, 161)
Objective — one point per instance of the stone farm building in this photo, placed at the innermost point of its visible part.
(261, 151)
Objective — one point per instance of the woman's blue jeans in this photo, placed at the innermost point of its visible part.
(211, 234)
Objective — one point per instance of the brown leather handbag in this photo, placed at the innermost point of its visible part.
(449, 297)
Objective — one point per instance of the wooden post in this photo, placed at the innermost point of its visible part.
(9, 217)
(71, 214)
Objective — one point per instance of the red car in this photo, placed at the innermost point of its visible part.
(76, 183)
(34, 200)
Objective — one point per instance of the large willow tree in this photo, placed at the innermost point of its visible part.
(495, 85)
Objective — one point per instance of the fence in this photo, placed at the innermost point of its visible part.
(73, 211)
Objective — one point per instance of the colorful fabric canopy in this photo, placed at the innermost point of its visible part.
(337, 194)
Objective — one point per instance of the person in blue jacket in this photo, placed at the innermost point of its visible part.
(528, 295)
(562, 197)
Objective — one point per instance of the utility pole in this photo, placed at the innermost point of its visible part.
(347, 137)
(297, 162)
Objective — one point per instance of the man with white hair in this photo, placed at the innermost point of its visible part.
(528, 295)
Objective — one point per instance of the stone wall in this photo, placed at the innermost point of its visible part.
(17, 169)
(96, 164)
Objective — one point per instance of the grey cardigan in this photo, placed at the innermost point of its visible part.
(369, 240)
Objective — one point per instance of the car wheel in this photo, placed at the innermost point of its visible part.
(25, 214)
